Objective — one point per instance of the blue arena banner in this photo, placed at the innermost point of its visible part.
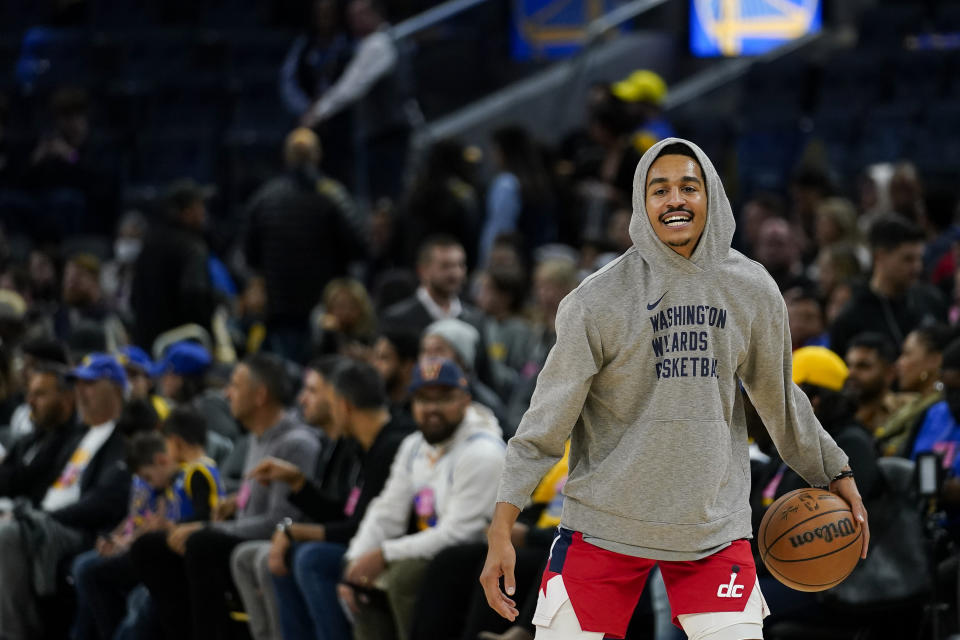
(549, 29)
(749, 27)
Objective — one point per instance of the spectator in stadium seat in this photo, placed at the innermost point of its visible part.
(871, 359)
(89, 495)
(33, 352)
(183, 379)
(836, 266)
(84, 305)
(344, 323)
(906, 191)
(553, 279)
(442, 270)
(779, 251)
(302, 231)
(836, 224)
(520, 197)
(939, 432)
(188, 569)
(939, 221)
(116, 277)
(314, 62)
(172, 464)
(757, 210)
(456, 340)
(918, 372)
(376, 80)
(806, 318)
(894, 302)
(444, 473)
(34, 461)
(171, 283)
(394, 355)
(139, 369)
(809, 186)
(61, 161)
(441, 199)
(508, 335)
(303, 558)
(605, 165)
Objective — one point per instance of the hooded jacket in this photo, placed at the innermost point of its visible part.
(446, 486)
(645, 379)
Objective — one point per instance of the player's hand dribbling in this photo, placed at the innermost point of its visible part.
(846, 488)
(501, 559)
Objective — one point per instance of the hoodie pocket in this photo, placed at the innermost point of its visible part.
(668, 471)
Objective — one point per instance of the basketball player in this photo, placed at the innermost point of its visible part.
(645, 380)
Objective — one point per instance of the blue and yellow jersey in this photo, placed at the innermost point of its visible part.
(550, 492)
(143, 502)
(181, 505)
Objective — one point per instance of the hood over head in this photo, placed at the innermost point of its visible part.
(714, 244)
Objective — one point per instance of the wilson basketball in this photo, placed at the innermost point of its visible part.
(809, 540)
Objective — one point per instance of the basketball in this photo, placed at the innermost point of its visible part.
(809, 540)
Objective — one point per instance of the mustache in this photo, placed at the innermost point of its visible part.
(677, 210)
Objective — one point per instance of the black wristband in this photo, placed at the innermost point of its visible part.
(843, 474)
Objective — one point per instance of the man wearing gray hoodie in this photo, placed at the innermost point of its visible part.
(645, 381)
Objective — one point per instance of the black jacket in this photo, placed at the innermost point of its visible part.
(410, 315)
(369, 473)
(104, 490)
(301, 232)
(869, 311)
(34, 461)
(171, 283)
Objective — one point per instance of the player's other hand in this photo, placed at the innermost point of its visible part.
(846, 488)
(501, 560)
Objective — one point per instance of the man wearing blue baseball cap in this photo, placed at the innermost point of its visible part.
(183, 378)
(89, 495)
(448, 477)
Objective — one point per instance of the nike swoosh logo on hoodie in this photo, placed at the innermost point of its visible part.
(651, 307)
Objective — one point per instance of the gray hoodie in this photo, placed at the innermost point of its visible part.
(644, 379)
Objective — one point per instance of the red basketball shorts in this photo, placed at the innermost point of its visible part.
(604, 587)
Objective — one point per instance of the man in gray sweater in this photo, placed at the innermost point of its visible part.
(645, 381)
(187, 569)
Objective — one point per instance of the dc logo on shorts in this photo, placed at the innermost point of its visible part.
(731, 589)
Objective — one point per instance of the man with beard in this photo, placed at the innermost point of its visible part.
(35, 460)
(394, 355)
(84, 310)
(292, 585)
(871, 358)
(644, 381)
(446, 474)
(442, 270)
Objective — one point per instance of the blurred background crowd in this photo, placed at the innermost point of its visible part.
(245, 290)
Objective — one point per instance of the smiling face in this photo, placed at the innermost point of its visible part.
(676, 201)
